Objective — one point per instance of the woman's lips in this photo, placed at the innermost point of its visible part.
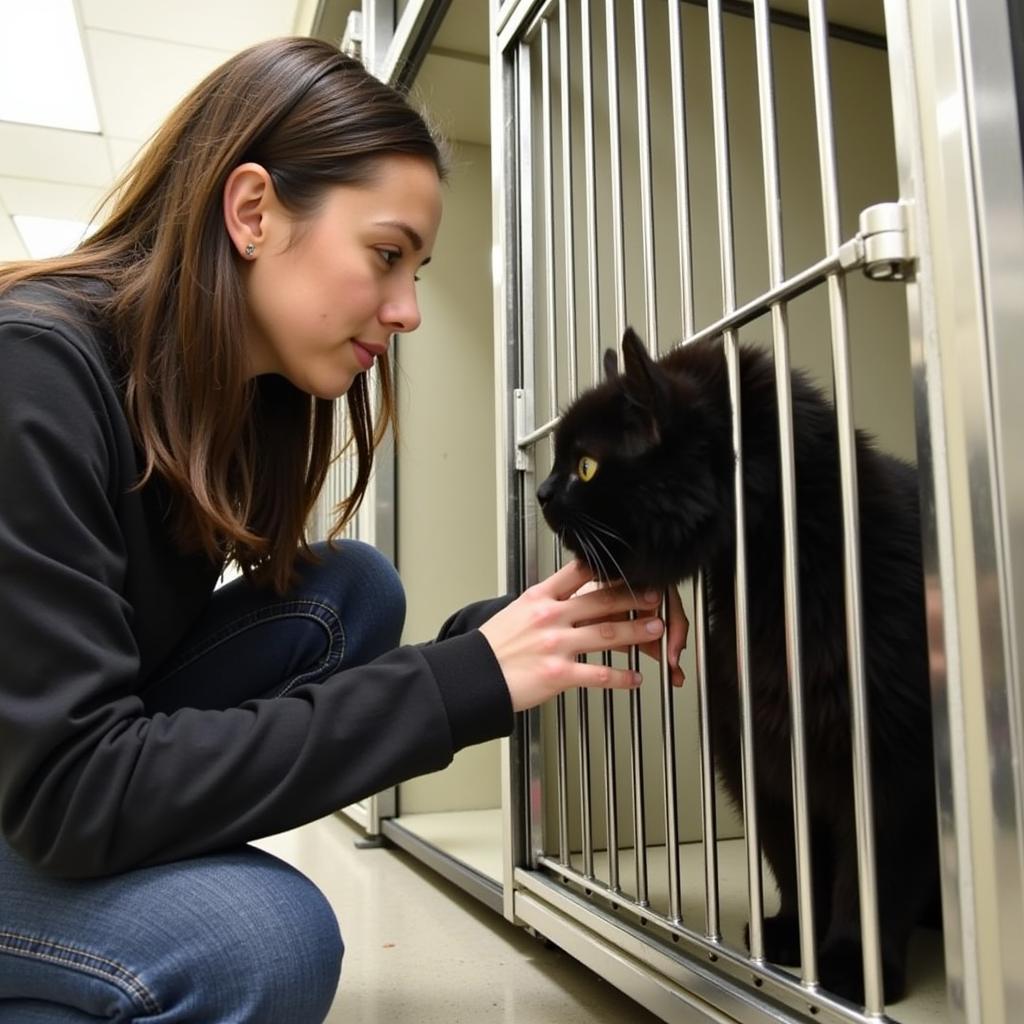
(365, 355)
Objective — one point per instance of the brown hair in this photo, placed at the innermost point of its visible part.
(245, 459)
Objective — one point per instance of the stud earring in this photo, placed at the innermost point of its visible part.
(250, 250)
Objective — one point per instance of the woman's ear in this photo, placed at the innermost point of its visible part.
(248, 193)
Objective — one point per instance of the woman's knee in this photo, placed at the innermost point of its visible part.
(259, 943)
(235, 936)
(368, 593)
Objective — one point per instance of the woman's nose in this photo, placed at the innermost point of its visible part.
(402, 313)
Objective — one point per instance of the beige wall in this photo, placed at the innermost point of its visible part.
(445, 456)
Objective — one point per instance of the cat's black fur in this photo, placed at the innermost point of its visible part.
(660, 507)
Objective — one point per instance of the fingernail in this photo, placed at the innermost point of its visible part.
(637, 678)
(651, 595)
(653, 626)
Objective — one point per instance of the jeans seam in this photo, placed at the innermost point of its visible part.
(318, 611)
(335, 652)
(119, 976)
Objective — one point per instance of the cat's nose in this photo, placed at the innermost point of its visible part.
(546, 490)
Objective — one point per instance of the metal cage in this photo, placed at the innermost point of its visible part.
(583, 91)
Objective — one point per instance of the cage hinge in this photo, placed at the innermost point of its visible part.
(520, 426)
(352, 38)
(883, 246)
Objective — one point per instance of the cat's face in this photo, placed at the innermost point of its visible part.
(636, 490)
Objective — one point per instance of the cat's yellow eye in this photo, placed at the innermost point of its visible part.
(587, 468)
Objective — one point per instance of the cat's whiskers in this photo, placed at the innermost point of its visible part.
(590, 553)
(601, 528)
(618, 567)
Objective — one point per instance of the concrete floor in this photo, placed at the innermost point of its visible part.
(421, 951)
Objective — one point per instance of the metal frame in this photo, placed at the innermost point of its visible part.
(953, 85)
(957, 182)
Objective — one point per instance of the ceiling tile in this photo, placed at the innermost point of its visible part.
(47, 199)
(122, 153)
(11, 245)
(222, 25)
(51, 154)
(138, 81)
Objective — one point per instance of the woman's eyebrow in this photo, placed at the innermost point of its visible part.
(413, 236)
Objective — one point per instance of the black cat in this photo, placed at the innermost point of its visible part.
(642, 488)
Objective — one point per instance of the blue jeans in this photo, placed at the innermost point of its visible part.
(231, 937)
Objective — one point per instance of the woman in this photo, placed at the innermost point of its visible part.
(166, 404)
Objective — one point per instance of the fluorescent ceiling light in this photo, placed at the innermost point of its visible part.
(47, 236)
(43, 77)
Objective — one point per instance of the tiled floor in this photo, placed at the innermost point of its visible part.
(421, 951)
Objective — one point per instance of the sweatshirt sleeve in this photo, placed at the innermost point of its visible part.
(89, 785)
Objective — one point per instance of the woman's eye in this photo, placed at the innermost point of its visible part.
(390, 256)
(586, 468)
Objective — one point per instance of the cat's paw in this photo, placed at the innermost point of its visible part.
(841, 970)
(781, 939)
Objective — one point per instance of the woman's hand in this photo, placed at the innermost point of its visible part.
(678, 632)
(537, 638)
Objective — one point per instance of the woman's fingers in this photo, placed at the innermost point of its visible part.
(607, 636)
(607, 602)
(562, 584)
(604, 677)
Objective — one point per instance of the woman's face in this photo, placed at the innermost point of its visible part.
(325, 294)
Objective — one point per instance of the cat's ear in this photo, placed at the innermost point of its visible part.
(635, 357)
(611, 364)
(645, 381)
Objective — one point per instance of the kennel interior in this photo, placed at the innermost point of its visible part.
(839, 183)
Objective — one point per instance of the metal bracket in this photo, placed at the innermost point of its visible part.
(352, 39)
(885, 248)
(520, 428)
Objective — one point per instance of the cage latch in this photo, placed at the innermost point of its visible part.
(519, 421)
(883, 242)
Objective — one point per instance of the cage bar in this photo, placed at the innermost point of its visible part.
(791, 561)
(874, 999)
(725, 230)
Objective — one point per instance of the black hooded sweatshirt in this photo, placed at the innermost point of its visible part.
(94, 596)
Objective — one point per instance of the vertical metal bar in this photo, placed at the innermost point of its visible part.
(873, 994)
(707, 773)
(650, 308)
(619, 291)
(636, 751)
(615, 150)
(791, 561)
(594, 320)
(569, 257)
(939, 232)
(643, 115)
(549, 252)
(524, 225)
(590, 188)
(725, 229)
(675, 903)
(568, 220)
(683, 226)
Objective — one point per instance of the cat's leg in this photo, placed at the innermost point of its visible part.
(906, 870)
(782, 931)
